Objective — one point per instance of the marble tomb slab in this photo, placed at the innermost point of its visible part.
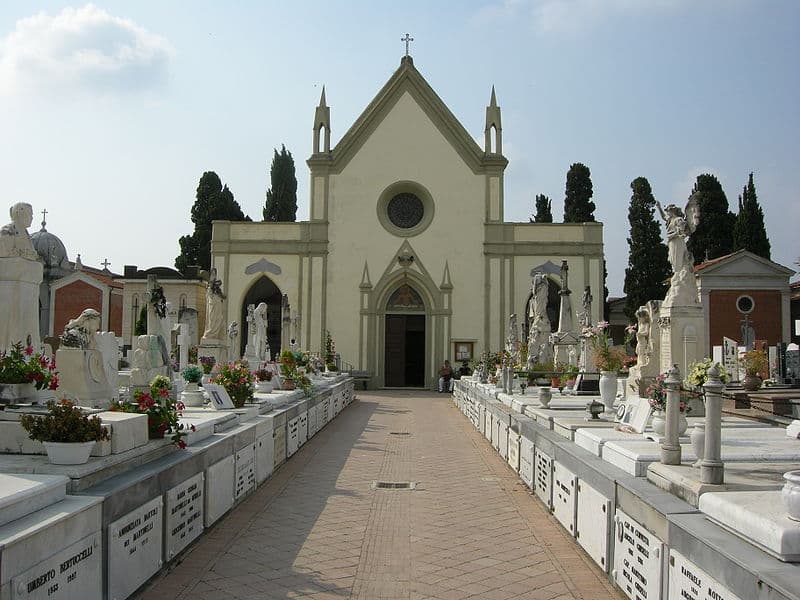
(638, 559)
(545, 416)
(128, 430)
(593, 517)
(183, 512)
(23, 494)
(758, 517)
(219, 482)
(593, 439)
(687, 580)
(135, 543)
(567, 426)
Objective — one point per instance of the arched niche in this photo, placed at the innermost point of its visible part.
(263, 289)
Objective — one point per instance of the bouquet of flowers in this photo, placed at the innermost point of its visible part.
(237, 380)
(657, 394)
(698, 373)
(606, 356)
(161, 410)
(207, 364)
(23, 365)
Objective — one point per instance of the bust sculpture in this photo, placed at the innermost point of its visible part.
(14, 238)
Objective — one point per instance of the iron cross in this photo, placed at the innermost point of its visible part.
(407, 39)
(105, 263)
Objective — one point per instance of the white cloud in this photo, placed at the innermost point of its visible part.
(571, 16)
(681, 190)
(84, 49)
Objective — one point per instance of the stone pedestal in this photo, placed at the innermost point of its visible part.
(19, 296)
(82, 376)
(216, 348)
(682, 337)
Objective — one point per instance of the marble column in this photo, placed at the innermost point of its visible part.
(670, 446)
(712, 469)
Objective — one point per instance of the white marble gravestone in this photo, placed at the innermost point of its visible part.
(184, 514)
(564, 496)
(543, 469)
(265, 457)
(592, 522)
(526, 458)
(74, 572)
(687, 580)
(219, 482)
(638, 559)
(134, 548)
(245, 475)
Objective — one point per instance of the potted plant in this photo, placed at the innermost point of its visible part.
(207, 363)
(263, 380)
(698, 374)
(570, 375)
(163, 413)
(607, 359)
(68, 435)
(23, 372)
(330, 353)
(237, 380)
(755, 363)
(192, 396)
(288, 362)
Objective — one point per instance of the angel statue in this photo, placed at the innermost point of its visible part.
(680, 225)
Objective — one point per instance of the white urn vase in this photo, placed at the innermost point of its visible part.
(264, 387)
(192, 396)
(68, 453)
(545, 395)
(791, 494)
(698, 439)
(608, 388)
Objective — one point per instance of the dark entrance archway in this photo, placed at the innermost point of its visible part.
(404, 355)
(264, 290)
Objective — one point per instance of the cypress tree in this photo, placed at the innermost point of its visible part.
(749, 232)
(648, 263)
(140, 328)
(544, 214)
(578, 206)
(714, 234)
(281, 202)
(213, 202)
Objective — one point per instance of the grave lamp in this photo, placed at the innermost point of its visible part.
(595, 409)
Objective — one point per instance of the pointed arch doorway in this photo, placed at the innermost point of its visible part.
(264, 290)
(404, 351)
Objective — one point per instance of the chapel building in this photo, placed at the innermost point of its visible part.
(406, 258)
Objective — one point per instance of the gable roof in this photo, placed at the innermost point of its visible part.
(407, 79)
(724, 265)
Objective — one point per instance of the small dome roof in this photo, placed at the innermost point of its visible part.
(50, 248)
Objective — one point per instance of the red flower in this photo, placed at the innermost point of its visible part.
(53, 383)
(163, 393)
(181, 405)
(181, 444)
(193, 428)
(29, 350)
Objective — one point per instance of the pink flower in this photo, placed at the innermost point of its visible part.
(181, 405)
(29, 350)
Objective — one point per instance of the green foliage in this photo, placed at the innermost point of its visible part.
(544, 214)
(66, 423)
(578, 206)
(141, 323)
(161, 410)
(213, 202)
(281, 202)
(749, 232)
(714, 234)
(648, 266)
(192, 374)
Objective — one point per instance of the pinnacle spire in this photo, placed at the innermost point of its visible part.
(493, 101)
(322, 98)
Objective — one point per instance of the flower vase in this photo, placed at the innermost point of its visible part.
(608, 389)
(790, 494)
(659, 422)
(751, 383)
(205, 379)
(73, 453)
(288, 384)
(192, 396)
(698, 438)
(18, 392)
(264, 387)
(683, 424)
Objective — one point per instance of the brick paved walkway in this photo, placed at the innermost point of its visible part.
(317, 529)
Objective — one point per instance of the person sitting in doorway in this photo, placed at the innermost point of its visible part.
(445, 377)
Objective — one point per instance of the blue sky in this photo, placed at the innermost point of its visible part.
(111, 112)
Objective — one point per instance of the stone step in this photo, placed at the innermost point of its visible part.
(21, 495)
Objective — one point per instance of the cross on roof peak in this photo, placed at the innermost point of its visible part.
(407, 39)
